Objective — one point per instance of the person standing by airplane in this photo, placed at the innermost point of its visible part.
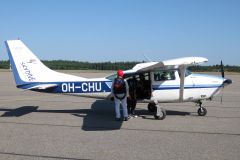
(132, 100)
(120, 90)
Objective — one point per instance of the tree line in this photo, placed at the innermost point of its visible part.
(77, 65)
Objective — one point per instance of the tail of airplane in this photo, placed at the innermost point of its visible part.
(28, 69)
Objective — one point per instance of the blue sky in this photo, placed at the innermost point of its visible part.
(124, 30)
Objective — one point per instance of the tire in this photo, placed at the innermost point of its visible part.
(202, 111)
(162, 116)
(152, 107)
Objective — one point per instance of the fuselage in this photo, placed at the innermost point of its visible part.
(196, 87)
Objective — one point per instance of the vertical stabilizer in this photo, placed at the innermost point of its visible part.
(27, 68)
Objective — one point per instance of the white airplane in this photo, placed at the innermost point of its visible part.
(155, 82)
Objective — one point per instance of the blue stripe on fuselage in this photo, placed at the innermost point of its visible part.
(73, 87)
(172, 87)
(101, 86)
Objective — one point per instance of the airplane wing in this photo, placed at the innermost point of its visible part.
(165, 65)
(179, 63)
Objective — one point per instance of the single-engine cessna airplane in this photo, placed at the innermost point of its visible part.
(155, 82)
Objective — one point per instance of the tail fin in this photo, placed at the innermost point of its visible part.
(27, 68)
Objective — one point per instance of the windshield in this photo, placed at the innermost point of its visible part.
(112, 77)
(187, 73)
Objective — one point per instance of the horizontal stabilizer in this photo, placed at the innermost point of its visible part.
(43, 86)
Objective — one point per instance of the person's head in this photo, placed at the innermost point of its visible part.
(120, 73)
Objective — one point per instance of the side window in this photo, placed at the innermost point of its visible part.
(187, 73)
(164, 75)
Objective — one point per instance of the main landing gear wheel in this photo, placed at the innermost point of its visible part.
(152, 107)
(202, 111)
(161, 115)
(158, 112)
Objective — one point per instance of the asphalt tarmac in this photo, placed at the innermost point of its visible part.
(47, 126)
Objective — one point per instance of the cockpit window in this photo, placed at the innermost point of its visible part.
(164, 75)
(187, 73)
(112, 77)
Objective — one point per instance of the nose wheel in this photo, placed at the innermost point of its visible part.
(201, 111)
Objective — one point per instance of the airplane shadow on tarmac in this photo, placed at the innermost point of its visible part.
(18, 112)
(101, 116)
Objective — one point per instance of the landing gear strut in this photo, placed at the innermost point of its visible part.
(158, 112)
(201, 111)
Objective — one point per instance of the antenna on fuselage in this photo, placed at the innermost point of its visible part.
(222, 69)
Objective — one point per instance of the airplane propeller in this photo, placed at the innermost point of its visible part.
(223, 76)
(226, 81)
(222, 69)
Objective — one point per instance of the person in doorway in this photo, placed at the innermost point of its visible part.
(141, 86)
(120, 91)
(132, 100)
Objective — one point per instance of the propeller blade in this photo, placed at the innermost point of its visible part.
(222, 69)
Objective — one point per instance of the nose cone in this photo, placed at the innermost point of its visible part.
(227, 82)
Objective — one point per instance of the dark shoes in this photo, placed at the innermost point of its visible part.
(126, 118)
(118, 119)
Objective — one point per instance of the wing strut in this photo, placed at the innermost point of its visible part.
(182, 70)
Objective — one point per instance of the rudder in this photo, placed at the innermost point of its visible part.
(27, 68)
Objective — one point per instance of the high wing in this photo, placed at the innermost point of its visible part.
(168, 64)
(180, 63)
